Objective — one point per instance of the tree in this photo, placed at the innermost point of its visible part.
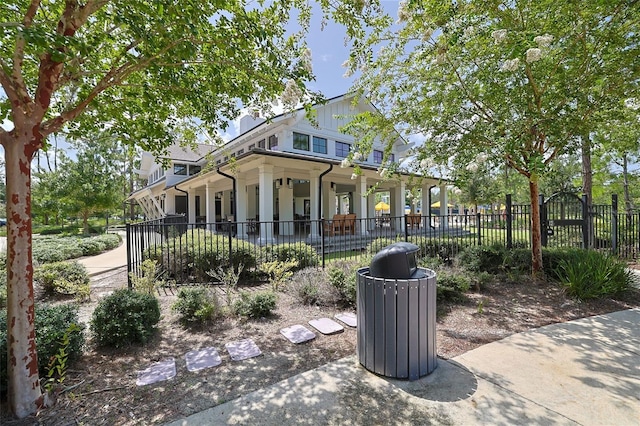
(93, 182)
(513, 81)
(144, 70)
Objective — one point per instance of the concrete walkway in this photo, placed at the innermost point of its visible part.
(107, 261)
(584, 372)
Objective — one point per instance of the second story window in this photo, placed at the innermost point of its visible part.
(261, 144)
(273, 142)
(392, 158)
(342, 149)
(301, 141)
(194, 170)
(252, 146)
(180, 169)
(319, 145)
(377, 156)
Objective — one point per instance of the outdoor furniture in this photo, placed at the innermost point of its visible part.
(413, 220)
(334, 226)
(349, 224)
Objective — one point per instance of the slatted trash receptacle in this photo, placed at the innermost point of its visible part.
(396, 304)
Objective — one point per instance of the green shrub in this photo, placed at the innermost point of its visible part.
(125, 317)
(483, 258)
(444, 249)
(451, 286)
(553, 258)
(343, 277)
(278, 272)
(197, 252)
(148, 279)
(310, 286)
(51, 323)
(58, 230)
(67, 278)
(110, 241)
(304, 254)
(308, 293)
(590, 274)
(91, 247)
(196, 305)
(255, 305)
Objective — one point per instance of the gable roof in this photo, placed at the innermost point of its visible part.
(186, 153)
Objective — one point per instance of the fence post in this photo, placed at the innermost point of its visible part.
(585, 223)
(544, 237)
(479, 229)
(230, 226)
(406, 228)
(614, 223)
(509, 223)
(128, 243)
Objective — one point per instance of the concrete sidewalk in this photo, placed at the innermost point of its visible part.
(107, 261)
(581, 372)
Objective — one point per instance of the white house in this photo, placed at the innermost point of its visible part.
(283, 169)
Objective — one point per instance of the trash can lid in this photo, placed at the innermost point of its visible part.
(396, 260)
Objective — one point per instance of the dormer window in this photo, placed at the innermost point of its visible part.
(300, 141)
(179, 169)
(377, 156)
(273, 142)
(194, 170)
(342, 149)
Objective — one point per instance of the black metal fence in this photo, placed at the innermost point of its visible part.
(193, 253)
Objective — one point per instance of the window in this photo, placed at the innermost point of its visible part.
(252, 146)
(240, 151)
(180, 169)
(194, 170)
(319, 145)
(261, 144)
(273, 142)
(342, 149)
(300, 141)
(377, 156)
(218, 161)
(392, 158)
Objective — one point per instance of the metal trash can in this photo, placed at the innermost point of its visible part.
(396, 305)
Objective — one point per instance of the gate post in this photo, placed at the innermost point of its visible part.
(509, 223)
(543, 221)
(585, 223)
(614, 223)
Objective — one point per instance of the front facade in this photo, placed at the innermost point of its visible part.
(283, 170)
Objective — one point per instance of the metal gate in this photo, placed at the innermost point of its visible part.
(564, 221)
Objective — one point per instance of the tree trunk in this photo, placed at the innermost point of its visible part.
(85, 222)
(587, 180)
(536, 236)
(628, 205)
(25, 395)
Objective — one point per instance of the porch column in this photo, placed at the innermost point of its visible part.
(360, 204)
(251, 201)
(241, 206)
(444, 208)
(170, 203)
(265, 180)
(371, 211)
(192, 205)
(285, 209)
(397, 204)
(314, 194)
(327, 194)
(210, 196)
(426, 207)
(224, 208)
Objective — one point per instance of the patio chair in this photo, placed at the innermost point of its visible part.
(349, 226)
(334, 226)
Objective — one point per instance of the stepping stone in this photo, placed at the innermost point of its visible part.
(203, 358)
(298, 333)
(348, 318)
(158, 372)
(326, 326)
(242, 349)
